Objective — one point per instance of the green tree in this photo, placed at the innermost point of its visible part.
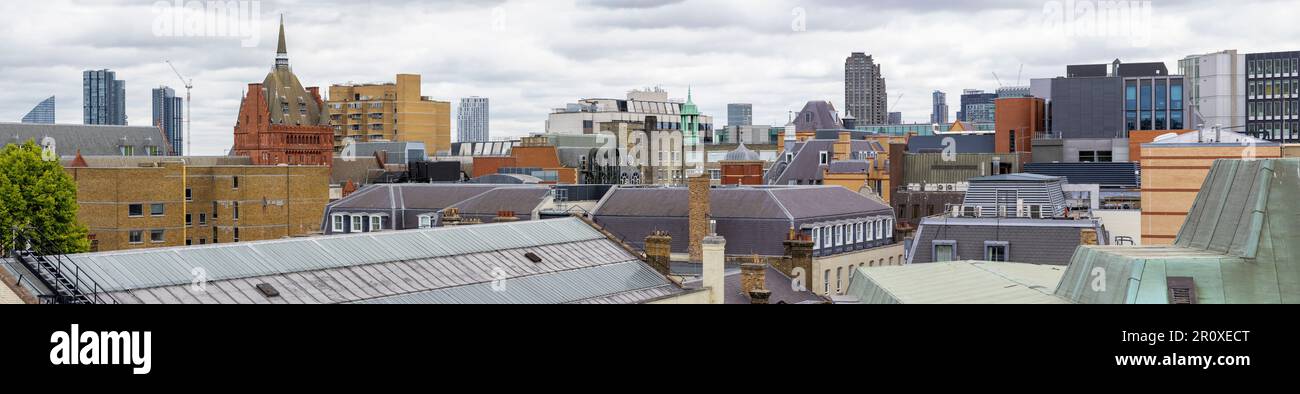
(38, 196)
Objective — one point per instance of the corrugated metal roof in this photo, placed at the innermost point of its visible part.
(957, 282)
(450, 265)
(124, 270)
(1104, 174)
(600, 282)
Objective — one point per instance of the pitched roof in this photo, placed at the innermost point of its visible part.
(447, 265)
(91, 140)
(1237, 244)
(1017, 177)
(771, 202)
(956, 282)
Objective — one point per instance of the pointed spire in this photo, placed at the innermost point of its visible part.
(281, 51)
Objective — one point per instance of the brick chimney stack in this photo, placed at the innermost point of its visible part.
(451, 217)
(658, 251)
(753, 281)
(698, 225)
(506, 217)
(797, 262)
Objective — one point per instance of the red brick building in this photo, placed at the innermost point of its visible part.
(280, 122)
(1018, 119)
(742, 167)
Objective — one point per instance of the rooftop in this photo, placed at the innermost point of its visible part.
(535, 262)
(955, 282)
(1237, 245)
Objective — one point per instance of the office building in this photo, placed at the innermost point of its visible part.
(281, 122)
(103, 98)
(976, 106)
(1101, 101)
(393, 112)
(1273, 96)
(43, 113)
(865, 96)
(895, 118)
(1215, 90)
(650, 106)
(472, 120)
(168, 115)
(740, 115)
(151, 202)
(939, 111)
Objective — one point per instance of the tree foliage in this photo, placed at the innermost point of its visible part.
(38, 197)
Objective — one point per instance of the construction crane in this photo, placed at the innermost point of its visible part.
(189, 84)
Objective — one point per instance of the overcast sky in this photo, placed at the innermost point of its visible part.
(534, 55)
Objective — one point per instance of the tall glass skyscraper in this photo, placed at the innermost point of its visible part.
(168, 113)
(740, 114)
(43, 113)
(939, 112)
(472, 120)
(104, 98)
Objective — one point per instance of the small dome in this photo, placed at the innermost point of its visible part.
(742, 154)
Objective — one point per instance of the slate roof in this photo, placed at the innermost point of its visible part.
(407, 201)
(806, 165)
(824, 117)
(466, 264)
(775, 281)
(92, 140)
(754, 219)
(1035, 241)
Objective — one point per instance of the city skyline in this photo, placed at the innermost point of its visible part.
(558, 68)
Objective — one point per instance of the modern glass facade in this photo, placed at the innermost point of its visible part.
(168, 113)
(740, 114)
(472, 119)
(1154, 103)
(104, 98)
(43, 113)
(1273, 96)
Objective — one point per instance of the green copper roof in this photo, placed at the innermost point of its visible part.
(1237, 245)
(689, 108)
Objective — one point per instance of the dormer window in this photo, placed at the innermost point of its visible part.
(823, 158)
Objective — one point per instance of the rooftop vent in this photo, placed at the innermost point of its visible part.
(1182, 290)
(267, 290)
(533, 257)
